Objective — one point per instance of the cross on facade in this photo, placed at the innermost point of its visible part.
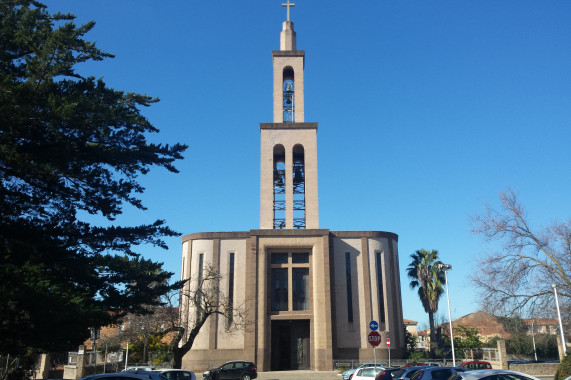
(288, 4)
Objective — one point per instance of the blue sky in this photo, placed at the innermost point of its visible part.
(426, 110)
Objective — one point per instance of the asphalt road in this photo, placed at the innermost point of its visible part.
(318, 375)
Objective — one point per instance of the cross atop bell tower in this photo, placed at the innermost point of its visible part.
(288, 4)
(288, 183)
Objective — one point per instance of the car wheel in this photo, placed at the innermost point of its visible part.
(246, 377)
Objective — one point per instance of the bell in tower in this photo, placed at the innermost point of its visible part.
(288, 95)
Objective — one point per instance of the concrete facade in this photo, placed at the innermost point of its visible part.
(331, 334)
(308, 294)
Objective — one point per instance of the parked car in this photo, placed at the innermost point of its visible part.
(387, 374)
(413, 365)
(366, 373)
(433, 364)
(127, 375)
(492, 374)
(476, 364)
(238, 370)
(435, 373)
(177, 374)
(347, 374)
(405, 373)
(139, 368)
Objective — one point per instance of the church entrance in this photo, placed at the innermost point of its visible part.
(290, 345)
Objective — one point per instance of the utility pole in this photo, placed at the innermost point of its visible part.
(560, 324)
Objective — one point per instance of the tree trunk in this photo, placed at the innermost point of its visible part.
(177, 358)
(145, 361)
(432, 333)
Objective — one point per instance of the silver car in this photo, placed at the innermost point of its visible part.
(435, 373)
(493, 374)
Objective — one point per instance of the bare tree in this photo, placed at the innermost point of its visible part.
(199, 299)
(141, 327)
(518, 279)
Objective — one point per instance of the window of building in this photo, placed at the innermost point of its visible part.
(279, 289)
(349, 287)
(200, 277)
(289, 281)
(380, 292)
(279, 258)
(231, 288)
(300, 289)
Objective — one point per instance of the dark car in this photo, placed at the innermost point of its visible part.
(386, 374)
(476, 364)
(236, 370)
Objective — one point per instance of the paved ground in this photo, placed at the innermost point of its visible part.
(316, 375)
(295, 375)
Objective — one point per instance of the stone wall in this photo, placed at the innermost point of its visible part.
(535, 369)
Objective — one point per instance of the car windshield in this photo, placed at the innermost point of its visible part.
(369, 372)
(177, 375)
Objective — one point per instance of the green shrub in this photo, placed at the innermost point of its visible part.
(564, 368)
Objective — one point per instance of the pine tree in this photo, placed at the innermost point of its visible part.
(69, 146)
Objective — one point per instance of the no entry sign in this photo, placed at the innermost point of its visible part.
(388, 343)
(374, 338)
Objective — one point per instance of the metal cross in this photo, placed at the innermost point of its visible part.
(288, 4)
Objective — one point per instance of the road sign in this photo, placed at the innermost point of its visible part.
(374, 325)
(374, 338)
(388, 343)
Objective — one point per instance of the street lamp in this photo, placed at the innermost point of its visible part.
(560, 324)
(446, 268)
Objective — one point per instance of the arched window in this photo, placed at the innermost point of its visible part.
(288, 95)
(279, 187)
(298, 186)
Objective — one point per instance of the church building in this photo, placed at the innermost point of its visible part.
(309, 293)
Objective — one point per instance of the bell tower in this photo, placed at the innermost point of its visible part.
(288, 173)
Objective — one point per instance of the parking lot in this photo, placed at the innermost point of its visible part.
(296, 375)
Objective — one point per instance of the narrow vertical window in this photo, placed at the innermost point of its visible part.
(231, 289)
(300, 278)
(349, 288)
(200, 285)
(279, 289)
(379, 265)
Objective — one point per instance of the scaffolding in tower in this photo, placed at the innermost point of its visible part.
(279, 199)
(298, 194)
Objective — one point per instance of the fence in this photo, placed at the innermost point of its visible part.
(343, 364)
(487, 354)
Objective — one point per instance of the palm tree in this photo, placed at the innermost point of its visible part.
(425, 273)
